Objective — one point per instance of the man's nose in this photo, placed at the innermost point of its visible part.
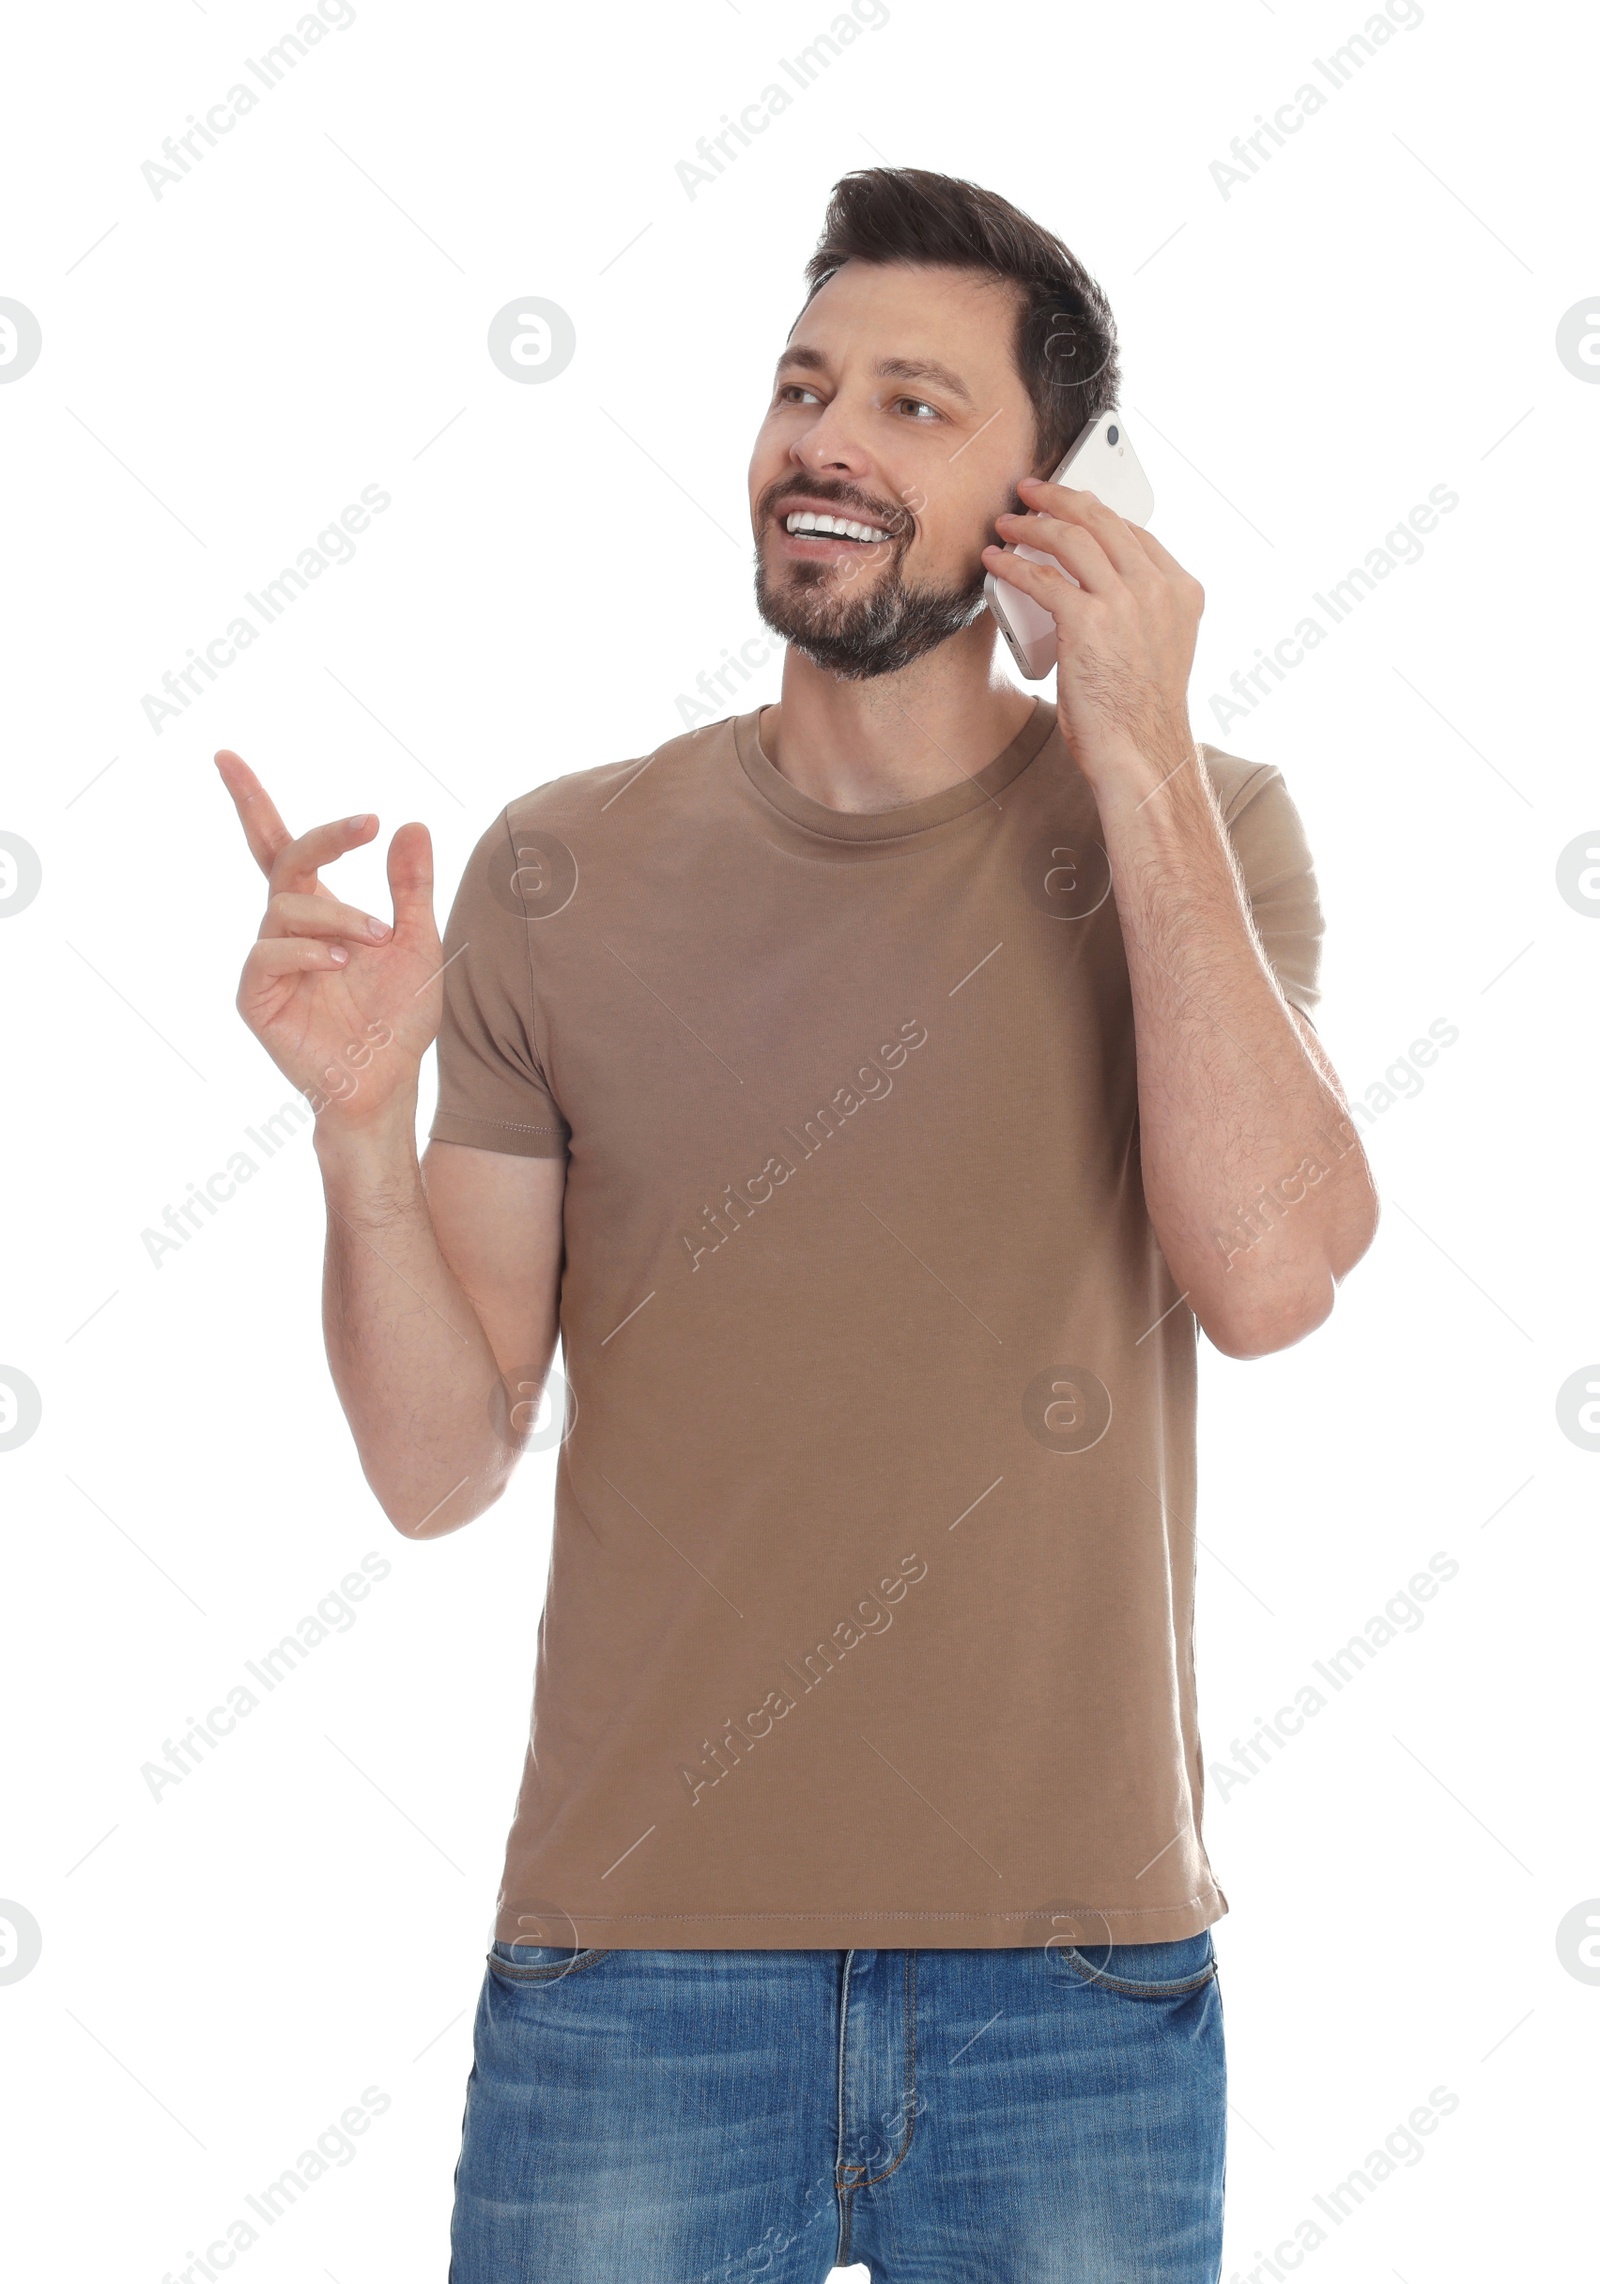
(832, 442)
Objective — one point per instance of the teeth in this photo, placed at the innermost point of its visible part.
(837, 526)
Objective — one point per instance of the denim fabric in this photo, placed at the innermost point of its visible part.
(1013, 2116)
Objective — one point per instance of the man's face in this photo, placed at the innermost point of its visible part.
(897, 408)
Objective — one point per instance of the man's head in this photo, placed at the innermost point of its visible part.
(948, 347)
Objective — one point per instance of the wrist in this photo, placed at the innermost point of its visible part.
(1136, 777)
(376, 1145)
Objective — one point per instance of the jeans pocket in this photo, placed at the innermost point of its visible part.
(1143, 1970)
(539, 1962)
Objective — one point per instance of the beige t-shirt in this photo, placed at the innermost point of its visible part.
(868, 1619)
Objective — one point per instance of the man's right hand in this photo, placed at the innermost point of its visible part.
(345, 1004)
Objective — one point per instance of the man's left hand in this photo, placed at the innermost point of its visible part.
(1125, 633)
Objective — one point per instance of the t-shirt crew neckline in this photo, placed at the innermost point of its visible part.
(911, 817)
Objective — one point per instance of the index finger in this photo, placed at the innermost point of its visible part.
(264, 829)
(1160, 556)
(1072, 504)
(289, 863)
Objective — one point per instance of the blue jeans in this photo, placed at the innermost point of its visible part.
(1014, 2116)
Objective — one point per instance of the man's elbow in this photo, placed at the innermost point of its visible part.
(1247, 1324)
(1275, 1321)
(459, 1506)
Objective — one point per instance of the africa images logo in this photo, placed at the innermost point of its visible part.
(870, 1082)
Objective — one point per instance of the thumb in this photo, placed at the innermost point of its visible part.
(411, 880)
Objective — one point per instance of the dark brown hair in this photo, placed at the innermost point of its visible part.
(1066, 341)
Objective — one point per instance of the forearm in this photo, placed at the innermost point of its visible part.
(1255, 1181)
(1233, 1103)
(412, 1364)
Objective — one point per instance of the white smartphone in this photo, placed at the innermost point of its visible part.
(1101, 461)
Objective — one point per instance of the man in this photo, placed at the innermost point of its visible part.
(875, 1089)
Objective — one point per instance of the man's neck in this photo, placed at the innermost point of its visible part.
(900, 737)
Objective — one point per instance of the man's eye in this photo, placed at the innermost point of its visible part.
(919, 405)
(793, 391)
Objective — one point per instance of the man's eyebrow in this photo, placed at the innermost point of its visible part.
(809, 360)
(925, 369)
(812, 360)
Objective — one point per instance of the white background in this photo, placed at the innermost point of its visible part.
(224, 368)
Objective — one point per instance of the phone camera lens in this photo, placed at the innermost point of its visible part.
(1112, 434)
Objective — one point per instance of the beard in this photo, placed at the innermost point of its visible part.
(858, 636)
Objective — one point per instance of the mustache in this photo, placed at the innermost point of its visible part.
(898, 522)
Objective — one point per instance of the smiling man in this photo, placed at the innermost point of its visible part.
(875, 1091)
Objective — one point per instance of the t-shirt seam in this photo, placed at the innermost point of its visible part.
(540, 1058)
(873, 840)
(1076, 1911)
(478, 1118)
(1253, 785)
(867, 841)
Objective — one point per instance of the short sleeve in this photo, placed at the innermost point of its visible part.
(1270, 843)
(493, 1090)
